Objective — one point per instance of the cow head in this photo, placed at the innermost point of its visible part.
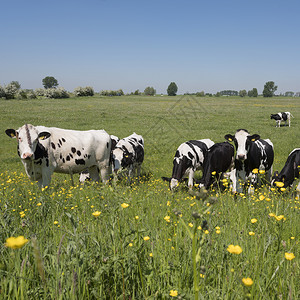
(242, 140)
(28, 137)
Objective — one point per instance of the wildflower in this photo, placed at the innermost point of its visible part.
(168, 203)
(191, 225)
(289, 256)
(151, 254)
(55, 222)
(253, 220)
(234, 249)
(217, 228)
(262, 172)
(202, 275)
(218, 231)
(272, 215)
(251, 233)
(261, 197)
(96, 213)
(136, 217)
(124, 205)
(282, 189)
(130, 244)
(255, 171)
(146, 238)
(39, 204)
(16, 243)
(279, 218)
(173, 293)
(247, 281)
(292, 237)
(213, 173)
(279, 184)
(167, 218)
(206, 232)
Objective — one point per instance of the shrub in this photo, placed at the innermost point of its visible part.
(112, 93)
(84, 91)
(10, 90)
(2, 92)
(54, 93)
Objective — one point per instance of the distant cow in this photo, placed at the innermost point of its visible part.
(290, 171)
(219, 160)
(188, 158)
(44, 150)
(85, 175)
(129, 155)
(282, 116)
(251, 153)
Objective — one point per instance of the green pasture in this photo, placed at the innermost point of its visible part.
(158, 244)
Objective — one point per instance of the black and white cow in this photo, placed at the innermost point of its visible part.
(282, 116)
(85, 175)
(220, 158)
(252, 152)
(44, 150)
(188, 158)
(289, 172)
(129, 155)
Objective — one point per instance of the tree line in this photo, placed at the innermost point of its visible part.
(51, 90)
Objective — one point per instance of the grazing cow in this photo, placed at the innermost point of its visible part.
(282, 116)
(44, 150)
(252, 152)
(219, 160)
(129, 154)
(188, 158)
(290, 170)
(85, 175)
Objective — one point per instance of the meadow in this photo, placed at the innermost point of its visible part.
(96, 241)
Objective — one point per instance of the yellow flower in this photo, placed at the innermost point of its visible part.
(39, 204)
(206, 232)
(247, 281)
(289, 256)
(217, 228)
(255, 171)
(22, 215)
(218, 231)
(191, 225)
(151, 254)
(55, 222)
(292, 237)
(16, 243)
(130, 244)
(253, 220)
(251, 233)
(173, 293)
(136, 217)
(261, 197)
(124, 205)
(146, 238)
(168, 203)
(279, 218)
(279, 184)
(272, 215)
(96, 213)
(213, 173)
(167, 218)
(234, 249)
(262, 171)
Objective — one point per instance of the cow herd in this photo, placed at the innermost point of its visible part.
(97, 155)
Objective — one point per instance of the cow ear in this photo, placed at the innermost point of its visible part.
(11, 133)
(44, 135)
(229, 137)
(254, 137)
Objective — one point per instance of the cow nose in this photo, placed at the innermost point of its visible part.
(26, 155)
(241, 156)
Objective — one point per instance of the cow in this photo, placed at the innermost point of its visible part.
(44, 150)
(252, 153)
(128, 155)
(289, 172)
(85, 175)
(189, 158)
(220, 158)
(282, 116)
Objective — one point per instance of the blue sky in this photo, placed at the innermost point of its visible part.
(111, 44)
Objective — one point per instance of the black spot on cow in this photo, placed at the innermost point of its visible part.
(40, 152)
(58, 145)
(78, 153)
(63, 160)
(53, 145)
(47, 162)
(85, 156)
(73, 150)
(107, 144)
(38, 162)
(191, 156)
(63, 140)
(60, 156)
(79, 162)
(70, 155)
(60, 142)
(68, 158)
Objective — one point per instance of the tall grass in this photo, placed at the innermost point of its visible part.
(161, 243)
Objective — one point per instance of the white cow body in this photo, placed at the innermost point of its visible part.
(44, 150)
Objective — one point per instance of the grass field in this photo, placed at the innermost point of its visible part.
(158, 244)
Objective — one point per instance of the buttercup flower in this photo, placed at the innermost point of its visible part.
(289, 256)
(16, 242)
(167, 218)
(146, 238)
(234, 249)
(279, 218)
(253, 221)
(96, 213)
(279, 184)
(124, 205)
(251, 233)
(255, 171)
(247, 281)
(173, 293)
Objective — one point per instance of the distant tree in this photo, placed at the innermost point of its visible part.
(137, 92)
(150, 91)
(269, 89)
(218, 94)
(16, 84)
(253, 93)
(172, 89)
(50, 82)
(289, 94)
(229, 93)
(242, 93)
(200, 94)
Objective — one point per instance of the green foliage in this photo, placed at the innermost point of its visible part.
(84, 91)
(253, 93)
(172, 89)
(56, 93)
(229, 93)
(242, 93)
(269, 89)
(49, 82)
(200, 94)
(149, 91)
(112, 93)
(71, 254)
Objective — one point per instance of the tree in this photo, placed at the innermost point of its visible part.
(253, 93)
(269, 89)
(243, 93)
(172, 89)
(50, 82)
(150, 91)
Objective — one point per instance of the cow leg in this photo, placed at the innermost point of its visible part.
(191, 179)
(240, 179)
(232, 177)
(138, 171)
(253, 181)
(46, 177)
(94, 173)
(130, 173)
